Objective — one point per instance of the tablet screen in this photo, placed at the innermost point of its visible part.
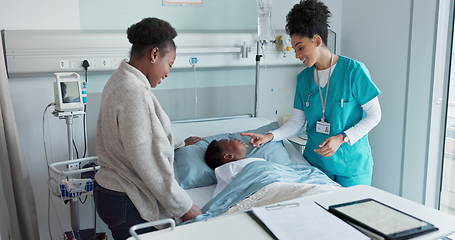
(380, 217)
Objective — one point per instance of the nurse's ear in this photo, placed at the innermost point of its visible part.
(317, 40)
(154, 54)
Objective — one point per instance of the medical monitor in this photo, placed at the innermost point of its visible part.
(67, 92)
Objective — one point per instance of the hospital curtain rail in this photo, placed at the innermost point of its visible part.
(17, 203)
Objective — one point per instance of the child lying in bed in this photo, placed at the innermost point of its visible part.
(227, 158)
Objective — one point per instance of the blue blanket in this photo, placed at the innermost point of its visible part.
(255, 176)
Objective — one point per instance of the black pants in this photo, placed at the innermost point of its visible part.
(118, 212)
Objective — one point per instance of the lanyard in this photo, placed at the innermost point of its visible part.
(324, 101)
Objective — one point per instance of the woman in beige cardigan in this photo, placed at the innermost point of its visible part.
(134, 142)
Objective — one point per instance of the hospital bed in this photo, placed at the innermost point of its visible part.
(241, 226)
(202, 195)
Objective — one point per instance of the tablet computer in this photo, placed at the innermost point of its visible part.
(381, 219)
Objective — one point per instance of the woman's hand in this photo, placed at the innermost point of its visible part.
(192, 140)
(192, 213)
(258, 139)
(330, 145)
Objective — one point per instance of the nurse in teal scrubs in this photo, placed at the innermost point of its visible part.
(335, 95)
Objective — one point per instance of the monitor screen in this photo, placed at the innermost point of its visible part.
(70, 92)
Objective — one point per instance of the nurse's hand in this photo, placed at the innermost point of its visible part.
(258, 139)
(330, 146)
(192, 213)
(192, 140)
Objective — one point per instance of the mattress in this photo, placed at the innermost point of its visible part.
(202, 195)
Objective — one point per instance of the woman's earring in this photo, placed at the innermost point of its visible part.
(152, 61)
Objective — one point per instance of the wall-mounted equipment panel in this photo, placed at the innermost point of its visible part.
(48, 51)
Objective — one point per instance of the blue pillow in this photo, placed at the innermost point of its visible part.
(191, 170)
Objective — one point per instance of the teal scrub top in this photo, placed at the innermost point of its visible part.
(351, 83)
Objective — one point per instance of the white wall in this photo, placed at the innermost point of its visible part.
(419, 98)
(30, 95)
(277, 85)
(282, 7)
(43, 14)
(395, 39)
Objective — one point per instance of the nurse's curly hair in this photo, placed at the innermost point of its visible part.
(214, 155)
(150, 33)
(308, 18)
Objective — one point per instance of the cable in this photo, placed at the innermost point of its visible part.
(85, 199)
(85, 65)
(75, 148)
(48, 213)
(44, 139)
(48, 175)
(84, 122)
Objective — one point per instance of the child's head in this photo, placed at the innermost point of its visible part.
(224, 151)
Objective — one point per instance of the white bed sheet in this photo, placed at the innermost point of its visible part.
(202, 195)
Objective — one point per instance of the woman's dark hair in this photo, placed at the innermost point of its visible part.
(150, 33)
(307, 18)
(214, 155)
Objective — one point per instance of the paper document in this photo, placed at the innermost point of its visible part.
(306, 221)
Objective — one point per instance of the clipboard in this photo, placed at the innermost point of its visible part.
(270, 208)
(381, 219)
(289, 221)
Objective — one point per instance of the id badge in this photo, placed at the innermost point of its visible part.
(323, 127)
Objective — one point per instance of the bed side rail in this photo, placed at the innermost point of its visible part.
(134, 228)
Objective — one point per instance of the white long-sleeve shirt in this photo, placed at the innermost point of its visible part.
(226, 172)
(372, 111)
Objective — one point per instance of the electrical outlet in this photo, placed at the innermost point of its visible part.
(73, 166)
(64, 64)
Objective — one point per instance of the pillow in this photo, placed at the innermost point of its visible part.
(191, 170)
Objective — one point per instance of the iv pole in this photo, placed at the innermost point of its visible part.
(256, 89)
(265, 31)
(74, 205)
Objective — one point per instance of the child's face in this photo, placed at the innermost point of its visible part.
(235, 147)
